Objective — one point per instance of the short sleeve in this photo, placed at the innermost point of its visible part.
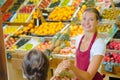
(98, 47)
(77, 40)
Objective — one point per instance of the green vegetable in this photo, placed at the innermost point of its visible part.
(55, 37)
(65, 36)
(66, 74)
(62, 45)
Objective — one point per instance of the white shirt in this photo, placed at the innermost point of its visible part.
(98, 47)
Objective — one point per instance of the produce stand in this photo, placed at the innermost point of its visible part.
(107, 30)
(111, 66)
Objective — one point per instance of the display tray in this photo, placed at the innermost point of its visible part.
(41, 35)
(70, 56)
(20, 42)
(49, 35)
(34, 41)
(111, 33)
(72, 17)
(66, 3)
(11, 40)
(115, 73)
(113, 45)
(24, 14)
(9, 31)
(52, 5)
(107, 29)
(44, 4)
(108, 13)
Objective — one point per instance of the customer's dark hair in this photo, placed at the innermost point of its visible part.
(35, 65)
(94, 10)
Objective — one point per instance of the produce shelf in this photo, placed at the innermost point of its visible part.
(73, 16)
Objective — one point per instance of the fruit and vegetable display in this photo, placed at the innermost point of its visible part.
(16, 6)
(54, 3)
(109, 14)
(5, 36)
(112, 57)
(6, 16)
(10, 29)
(64, 3)
(76, 3)
(79, 15)
(31, 27)
(49, 29)
(44, 4)
(33, 2)
(58, 42)
(62, 13)
(10, 41)
(11, 11)
(21, 17)
(23, 14)
(26, 9)
(75, 30)
(43, 45)
(25, 30)
(104, 27)
(114, 45)
(30, 44)
(20, 43)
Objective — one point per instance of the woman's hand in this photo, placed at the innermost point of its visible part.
(64, 65)
(67, 64)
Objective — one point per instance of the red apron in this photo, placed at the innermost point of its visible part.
(83, 58)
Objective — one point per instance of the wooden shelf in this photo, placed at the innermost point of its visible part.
(110, 74)
(14, 24)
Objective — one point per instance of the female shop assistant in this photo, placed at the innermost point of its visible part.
(90, 49)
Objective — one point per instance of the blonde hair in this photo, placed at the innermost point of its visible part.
(94, 10)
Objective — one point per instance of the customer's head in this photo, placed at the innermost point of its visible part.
(90, 19)
(35, 65)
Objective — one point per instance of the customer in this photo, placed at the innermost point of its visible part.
(89, 52)
(35, 65)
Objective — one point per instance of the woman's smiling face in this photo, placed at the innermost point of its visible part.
(89, 21)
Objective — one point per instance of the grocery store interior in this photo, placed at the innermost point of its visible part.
(34, 24)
